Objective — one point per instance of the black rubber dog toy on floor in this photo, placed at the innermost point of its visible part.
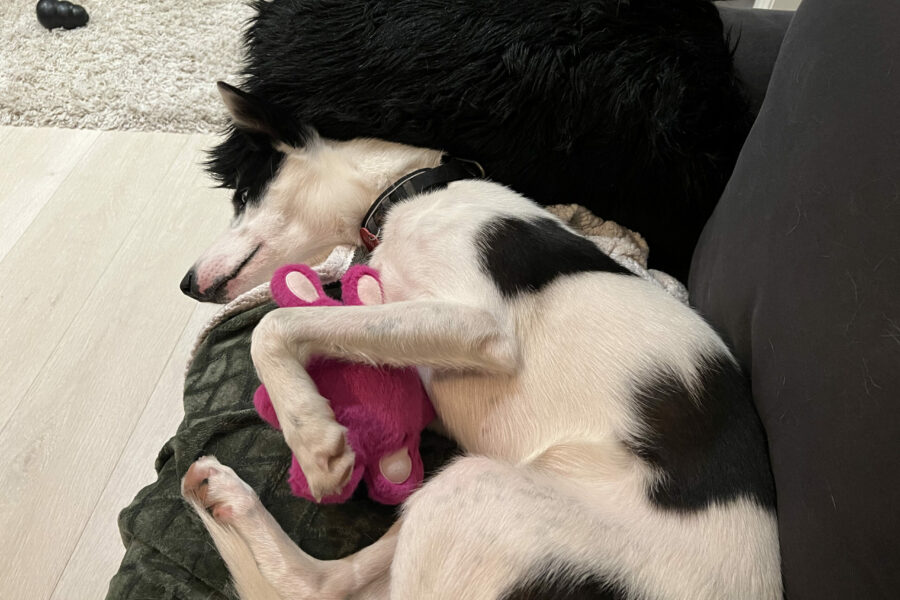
(59, 13)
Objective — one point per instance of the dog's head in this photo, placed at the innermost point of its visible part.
(296, 195)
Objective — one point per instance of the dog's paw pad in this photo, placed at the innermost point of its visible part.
(217, 489)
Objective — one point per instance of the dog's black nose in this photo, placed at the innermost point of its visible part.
(189, 285)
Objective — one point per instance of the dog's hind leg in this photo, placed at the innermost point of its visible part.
(485, 529)
(264, 562)
(572, 525)
(416, 333)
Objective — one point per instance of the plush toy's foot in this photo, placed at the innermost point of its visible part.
(382, 483)
(300, 487)
(397, 466)
(59, 13)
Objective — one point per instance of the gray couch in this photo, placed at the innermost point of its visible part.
(799, 268)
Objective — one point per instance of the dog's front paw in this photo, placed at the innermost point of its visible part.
(324, 454)
(218, 489)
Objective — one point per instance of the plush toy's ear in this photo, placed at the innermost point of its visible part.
(298, 285)
(254, 115)
(301, 286)
(368, 289)
(361, 285)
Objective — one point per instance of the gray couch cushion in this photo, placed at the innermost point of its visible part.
(756, 37)
(799, 267)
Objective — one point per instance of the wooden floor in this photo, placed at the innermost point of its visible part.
(96, 231)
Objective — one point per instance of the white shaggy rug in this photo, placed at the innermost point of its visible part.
(138, 64)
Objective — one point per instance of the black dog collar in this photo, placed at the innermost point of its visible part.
(417, 182)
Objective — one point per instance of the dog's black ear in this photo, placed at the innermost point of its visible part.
(247, 111)
(254, 115)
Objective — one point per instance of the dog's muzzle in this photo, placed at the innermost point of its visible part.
(215, 292)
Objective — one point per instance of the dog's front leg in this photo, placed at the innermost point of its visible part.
(442, 335)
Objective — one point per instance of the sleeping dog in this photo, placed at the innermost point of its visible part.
(612, 447)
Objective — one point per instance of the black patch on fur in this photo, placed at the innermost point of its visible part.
(245, 163)
(561, 584)
(525, 255)
(630, 108)
(709, 444)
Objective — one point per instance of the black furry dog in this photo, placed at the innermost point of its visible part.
(628, 107)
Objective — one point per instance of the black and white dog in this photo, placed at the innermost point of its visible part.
(613, 450)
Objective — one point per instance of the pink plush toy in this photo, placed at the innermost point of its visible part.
(384, 409)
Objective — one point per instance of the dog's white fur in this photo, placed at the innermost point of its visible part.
(536, 389)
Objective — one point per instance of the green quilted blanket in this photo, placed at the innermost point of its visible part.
(168, 552)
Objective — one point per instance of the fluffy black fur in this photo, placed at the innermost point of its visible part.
(708, 443)
(628, 107)
(524, 256)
